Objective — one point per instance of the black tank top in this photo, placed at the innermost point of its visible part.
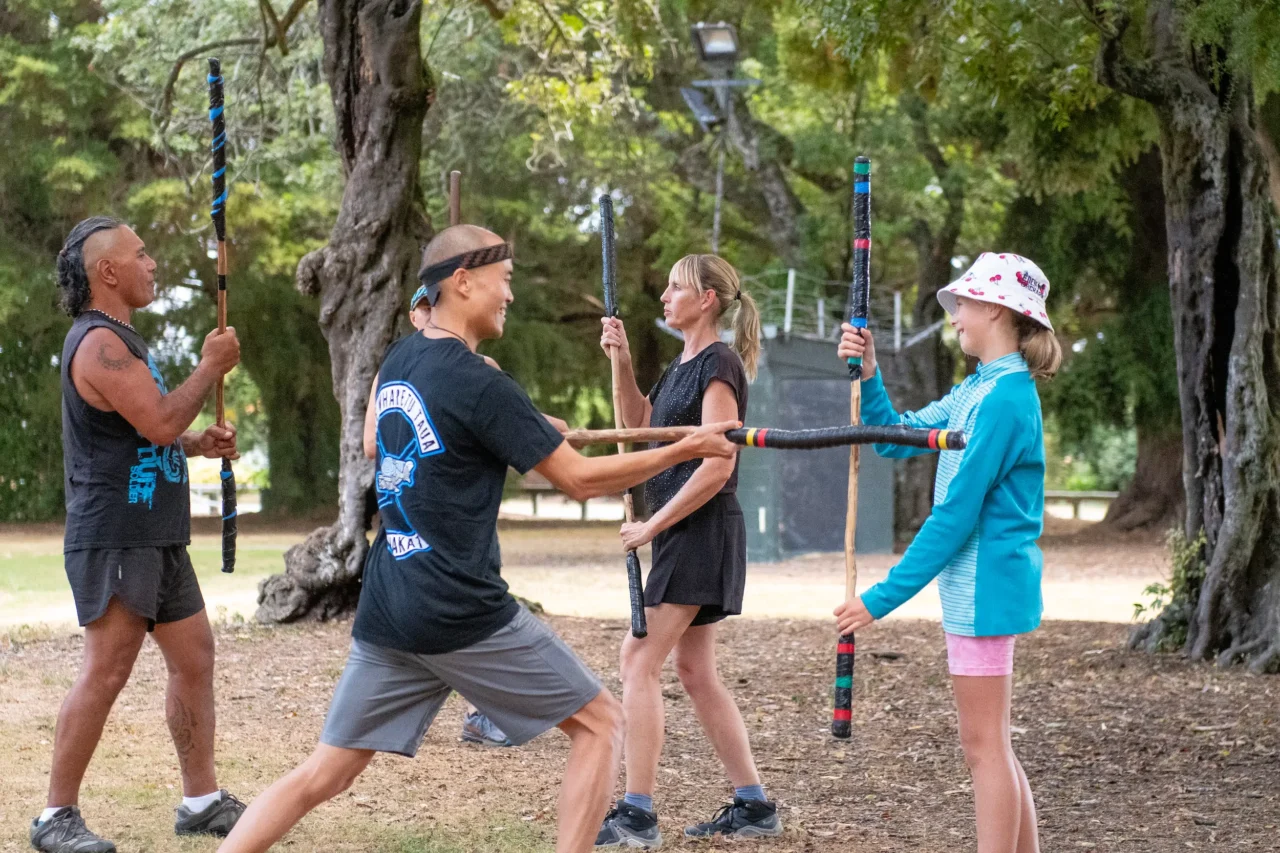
(122, 491)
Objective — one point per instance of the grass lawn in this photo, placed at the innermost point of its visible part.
(34, 589)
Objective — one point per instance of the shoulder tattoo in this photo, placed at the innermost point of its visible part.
(115, 364)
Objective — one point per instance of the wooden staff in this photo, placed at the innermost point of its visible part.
(219, 215)
(783, 439)
(639, 626)
(455, 197)
(859, 307)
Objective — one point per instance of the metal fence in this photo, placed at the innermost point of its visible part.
(795, 303)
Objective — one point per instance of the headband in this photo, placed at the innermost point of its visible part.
(431, 276)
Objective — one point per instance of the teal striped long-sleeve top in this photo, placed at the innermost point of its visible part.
(988, 504)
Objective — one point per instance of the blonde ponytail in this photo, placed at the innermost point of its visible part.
(1039, 347)
(746, 334)
(714, 273)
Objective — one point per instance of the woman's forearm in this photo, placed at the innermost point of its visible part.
(705, 484)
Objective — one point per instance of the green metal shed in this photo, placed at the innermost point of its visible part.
(794, 501)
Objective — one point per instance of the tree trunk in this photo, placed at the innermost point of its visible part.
(296, 390)
(1155, 498)
(380, 88)
(1226, 307)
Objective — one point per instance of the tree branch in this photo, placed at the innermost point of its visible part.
(166, 100)
(917, 110)
(1114, 67)
(495, 11)
(270, 38)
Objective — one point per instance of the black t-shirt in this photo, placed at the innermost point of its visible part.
(449, 425)
(677, 401)
(122, 491)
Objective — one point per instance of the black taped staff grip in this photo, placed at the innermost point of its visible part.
(609, 257)
(639, 625)
(609, 279)
(860, 286)
(218, 120)
(840, 436)
(218, 213)
(842, 712)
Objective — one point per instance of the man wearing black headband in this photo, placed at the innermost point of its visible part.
(434, 613)
(476, 727)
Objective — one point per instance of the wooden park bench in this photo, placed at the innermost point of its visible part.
(1075, 498)
(534, 484)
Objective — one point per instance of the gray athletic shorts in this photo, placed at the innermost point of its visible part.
(523, 677)
(158, 583)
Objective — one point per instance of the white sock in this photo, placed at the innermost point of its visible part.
(48, 813)
(199, 804)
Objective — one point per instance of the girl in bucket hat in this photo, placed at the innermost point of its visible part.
(980, 539)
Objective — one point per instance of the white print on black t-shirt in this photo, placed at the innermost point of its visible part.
(397, 467)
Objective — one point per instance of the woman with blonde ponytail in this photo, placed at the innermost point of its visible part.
(699, 552)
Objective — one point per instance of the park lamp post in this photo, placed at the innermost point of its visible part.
(717, 46)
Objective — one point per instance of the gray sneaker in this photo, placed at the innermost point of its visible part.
(742, 819)
(217, 818)
(477, 728)
(65, 832)
(629, 826)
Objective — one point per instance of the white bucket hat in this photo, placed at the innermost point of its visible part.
(1002, 279)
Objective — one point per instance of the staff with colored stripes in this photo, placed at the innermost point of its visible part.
(859, 306)
(219, 214)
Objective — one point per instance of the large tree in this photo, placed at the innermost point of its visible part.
(380, 90)
(1203, 67)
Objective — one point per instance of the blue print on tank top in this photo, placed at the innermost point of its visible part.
(397, 467)
(155, 461)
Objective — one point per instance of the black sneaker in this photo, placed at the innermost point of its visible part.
(629, 826)
(741, 818)
(217, 818)
(477, 728)
(65, 832)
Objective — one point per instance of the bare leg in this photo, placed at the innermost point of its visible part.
(328, 772)
(716, 710)
(1028, 826)
(595, 733)
(187, 646)
(111, 645)
(642, 691)
(983, 705)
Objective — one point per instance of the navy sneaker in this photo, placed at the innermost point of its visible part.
(216, 819)
(477, 728)
(742, 819)
(65, 832)
(629, 826)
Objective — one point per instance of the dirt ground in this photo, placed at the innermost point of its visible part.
(1125, 752)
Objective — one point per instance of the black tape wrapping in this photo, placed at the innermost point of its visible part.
(839, 436)
(843, 695)
(228, 517)
(216, 117)
(609, 257)
(860, 285)
(639, 626)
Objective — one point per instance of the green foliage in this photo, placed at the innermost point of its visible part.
(544, 108)
(1175, 604)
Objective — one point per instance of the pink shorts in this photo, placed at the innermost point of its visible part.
(980, 655)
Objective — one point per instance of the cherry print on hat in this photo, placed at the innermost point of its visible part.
(1009, 279)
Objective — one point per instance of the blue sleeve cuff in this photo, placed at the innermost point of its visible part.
(878, 603)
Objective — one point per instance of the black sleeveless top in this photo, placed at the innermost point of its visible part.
(677, 401)
(122, 491)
